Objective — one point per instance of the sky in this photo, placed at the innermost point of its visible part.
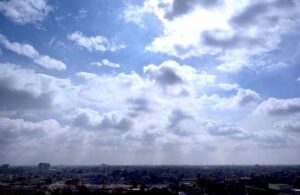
(181, 82)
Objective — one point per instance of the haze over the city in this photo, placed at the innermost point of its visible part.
(149, 82)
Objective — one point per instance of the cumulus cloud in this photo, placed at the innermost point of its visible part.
(94, 43)
(243, 99)
(246, 96)
(221, 128)
(26, 11)
(19, 131)
(274, 106)
(164, 75)
(30, 52)
(235, 34)
(21, 99)
(24, 89)
(106, 62)
(170, 73)
(92, 120)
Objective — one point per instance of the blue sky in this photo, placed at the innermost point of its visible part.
(149, 82)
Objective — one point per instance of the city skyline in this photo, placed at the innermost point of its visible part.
(154, 82)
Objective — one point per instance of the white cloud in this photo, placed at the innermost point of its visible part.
(274, 106)
(50, 63)
(94, 43)
(96, 64)
(228, 86)
(298, 79)
(82, 13)
(25, 11)
(19, 48)
(233, 32)
(30, 52)
(56, 44)
(134, 13)
(106, 62)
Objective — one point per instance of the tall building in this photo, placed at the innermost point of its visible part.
(44, 167)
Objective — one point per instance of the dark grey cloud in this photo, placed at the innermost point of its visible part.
(269, 139)
(211, 39)
(146, 137)
(140, 104)
(250, 14)
(181, 7)
(82, 120)
(168, 77)
(247, 96)
(91, 120)
(223, 129)
(19, 131)
(177, 116)
(164, 75)
(7, 137)
(284, 3)
(255, 12)
(175, 123)
(288, 126)
(18, 99)
(122, 124)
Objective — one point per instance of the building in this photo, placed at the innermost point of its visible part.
(251, 190)
(280, 187)
(296, 191)
(44, 167)
(5, 166)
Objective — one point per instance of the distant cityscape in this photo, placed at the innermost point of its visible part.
(180, 180)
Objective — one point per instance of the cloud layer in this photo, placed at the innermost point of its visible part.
(103, 113)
